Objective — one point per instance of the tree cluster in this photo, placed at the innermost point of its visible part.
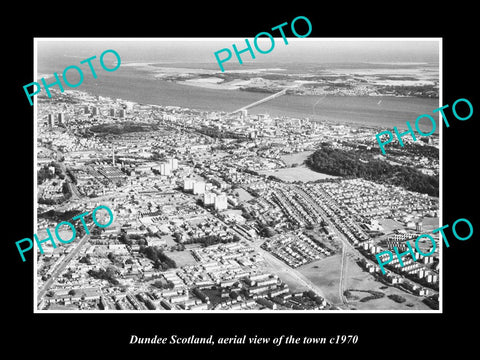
(86, 260)
(164, 284)
(125, 239)
(109, 274)
(397, 298)
(129, 240)
(156, 254)
(375, 295)
(267, 231)
(355, 164)
(116, 260)
(44, 172)
(59, 216)
(72, 176)
(208, 240)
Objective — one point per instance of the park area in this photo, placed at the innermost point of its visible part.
(296, 170)
(361, 290)
(360, 285)
(299, 173)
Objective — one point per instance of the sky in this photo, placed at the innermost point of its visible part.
(319, 50)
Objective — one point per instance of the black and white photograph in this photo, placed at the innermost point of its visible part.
(213, 181)
(260, 187)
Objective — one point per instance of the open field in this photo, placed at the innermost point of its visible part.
(361, 280)
(299, 173)
(389, 225)
(181, 258)
(243, 195)
(297, 158)
(325, 273)
(430, 223)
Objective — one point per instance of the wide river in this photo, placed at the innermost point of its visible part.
(384, 112)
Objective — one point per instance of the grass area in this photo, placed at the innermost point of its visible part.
(360, 280)
(299, 173)
(123, 127)
(297, 158)
(243, 195)
(430, 223)
(181, 258)
(373, 295)
(325, 273)
(389, 225)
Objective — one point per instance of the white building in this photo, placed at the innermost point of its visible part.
(220, 202)
(173, 163)
(188, 184)
(165, 169)
(198, 187)
(208, 198)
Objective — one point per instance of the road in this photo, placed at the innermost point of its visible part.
(302, 279)
(343, 271)
(73, 190)
(346, 246)
(62, 266)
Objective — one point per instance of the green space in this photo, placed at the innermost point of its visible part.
(181, 258)
(299, 173)
(360, 163)
(243, 195)
(325, 273)
(110, 274)
(163, 284)
(123, 127)
(373, 295)
(59, 216)
(296, 158)
(397, 298)
(160, 259)
(430, 223)
(208, 240)
(360, 280)
(389, 225)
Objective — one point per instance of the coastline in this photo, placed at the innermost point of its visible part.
(356, 111)
(340, 122)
